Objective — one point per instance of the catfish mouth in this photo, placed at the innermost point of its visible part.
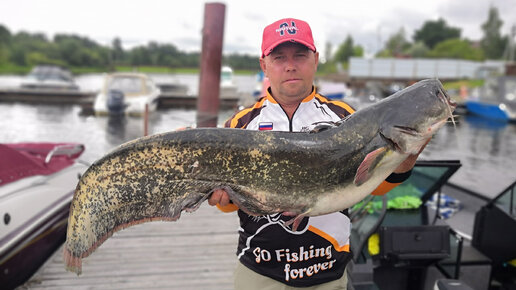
(404, 139)
(445, 98)
(410, 139)
(449, 103)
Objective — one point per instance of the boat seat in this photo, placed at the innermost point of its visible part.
(494, 235)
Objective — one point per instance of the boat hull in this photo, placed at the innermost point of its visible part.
(22, 259)
(486, 110)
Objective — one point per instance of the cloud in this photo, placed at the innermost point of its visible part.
(369, 22)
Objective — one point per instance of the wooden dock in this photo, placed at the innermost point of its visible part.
(196, 252)
(47, 96)
(187, 101)
(168, 98)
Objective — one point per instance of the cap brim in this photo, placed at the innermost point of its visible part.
(274, 45)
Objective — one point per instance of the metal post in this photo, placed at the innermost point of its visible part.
(511, 44)
(211, 60)
(146, 120)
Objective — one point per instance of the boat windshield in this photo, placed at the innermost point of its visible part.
(50, 73)
(510, 89)
(127, 84)
(226, 75)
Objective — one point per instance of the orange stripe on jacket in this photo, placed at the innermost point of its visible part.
(330, 239)
(242, 113)
(343, 105)
(384, 187)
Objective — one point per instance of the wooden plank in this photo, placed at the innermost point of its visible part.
(197, 252)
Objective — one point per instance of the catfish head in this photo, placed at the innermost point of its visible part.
(413, 115)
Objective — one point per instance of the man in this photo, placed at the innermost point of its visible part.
(271, 254)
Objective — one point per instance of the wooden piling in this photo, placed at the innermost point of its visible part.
(211, 60)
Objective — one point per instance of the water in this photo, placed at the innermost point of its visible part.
(93, 82)
(487, 150)
(64, 123)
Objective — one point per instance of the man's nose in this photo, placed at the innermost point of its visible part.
(290, 64)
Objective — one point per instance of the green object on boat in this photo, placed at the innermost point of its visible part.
(404, 202)
(398, 202)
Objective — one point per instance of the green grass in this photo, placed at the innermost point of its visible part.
(12, 69)
(157, 69)
(144, 69)
(468, 83)
(87, 70)
(23, 70)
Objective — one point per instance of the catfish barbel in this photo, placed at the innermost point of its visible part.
(311, 173)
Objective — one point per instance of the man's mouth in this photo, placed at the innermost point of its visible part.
(291, 80)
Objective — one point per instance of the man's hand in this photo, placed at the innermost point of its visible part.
(409, 163)
(219, 196)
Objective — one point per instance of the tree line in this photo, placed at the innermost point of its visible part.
(29, 49)
(435, 39)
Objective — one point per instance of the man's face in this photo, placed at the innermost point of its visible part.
(291, 69)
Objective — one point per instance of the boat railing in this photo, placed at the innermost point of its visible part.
(505, 200)
(66, 149)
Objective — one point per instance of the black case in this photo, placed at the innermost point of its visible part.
(423, 243)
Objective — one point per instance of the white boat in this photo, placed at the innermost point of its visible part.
(126, 93)
(49, 77)
(37, 181)
(333, 90)
(228, 89)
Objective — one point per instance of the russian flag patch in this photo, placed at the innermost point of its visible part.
(265, 126)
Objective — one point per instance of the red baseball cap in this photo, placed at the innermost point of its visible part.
(284, 30)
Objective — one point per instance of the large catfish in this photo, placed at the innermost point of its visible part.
(306, 173)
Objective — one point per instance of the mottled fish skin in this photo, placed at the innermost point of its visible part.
(157, 177)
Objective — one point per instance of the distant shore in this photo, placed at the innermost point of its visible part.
(9, 69)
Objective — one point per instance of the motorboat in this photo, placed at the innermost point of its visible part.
(49, 77)
(228, 88)
(333, 90)
(126, 93)
(496, 100)
(37, 181)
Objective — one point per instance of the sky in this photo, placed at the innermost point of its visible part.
(137, 22)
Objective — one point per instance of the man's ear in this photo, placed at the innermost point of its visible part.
(263, 66)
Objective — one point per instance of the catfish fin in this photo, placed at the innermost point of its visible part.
(296, 221)
(364, 171)
(320, 126)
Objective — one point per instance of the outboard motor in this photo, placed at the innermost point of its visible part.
(115, 102)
